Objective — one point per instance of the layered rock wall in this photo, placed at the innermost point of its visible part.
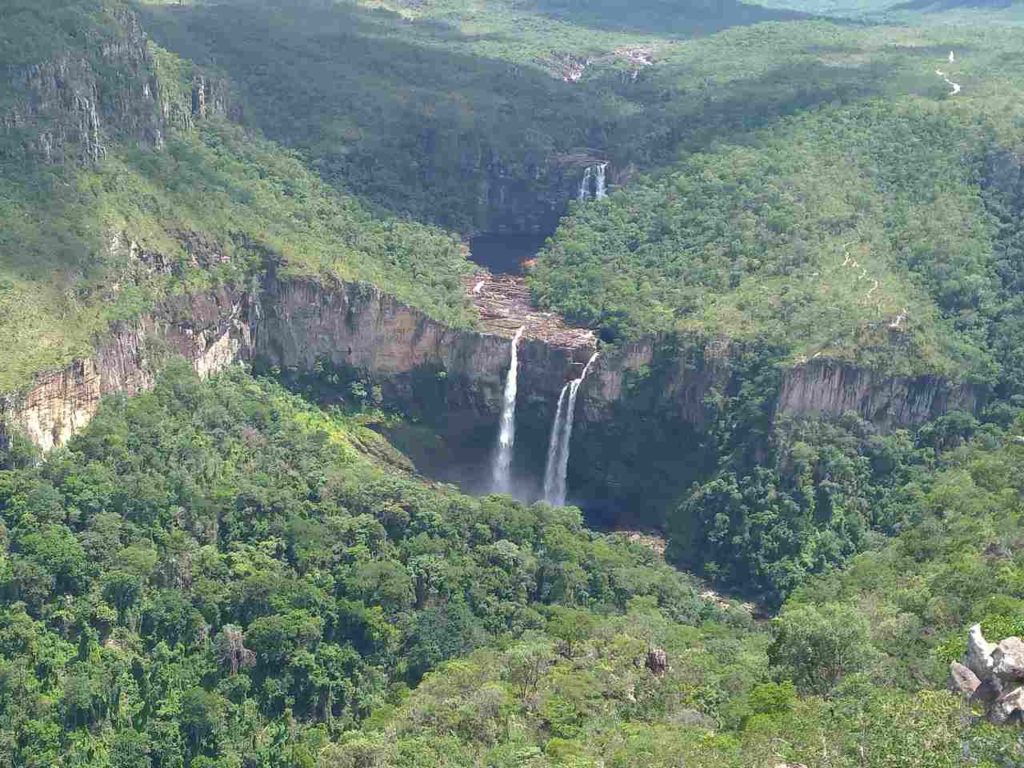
(825, 387)
(211, 330)
(436, 373)
(688, 378)
(304, 325)
(527, 195)
(68, 106)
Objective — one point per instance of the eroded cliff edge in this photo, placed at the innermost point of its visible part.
(657, 415)
(296, 325)
(655, 393)
(210, 330)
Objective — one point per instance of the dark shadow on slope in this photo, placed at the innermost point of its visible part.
(671, 18)
(393, 112)
(387, 110)
(697, 120)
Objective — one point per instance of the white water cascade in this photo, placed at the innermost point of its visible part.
(501, 471)
(557, 465)
(584, 192)
(600, 191)
(593, 185)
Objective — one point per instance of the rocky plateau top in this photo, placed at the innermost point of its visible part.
(505, 306)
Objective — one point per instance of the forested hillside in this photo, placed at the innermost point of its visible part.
(780, 299)
(833, 233)
(220, 571)
(96, 156)
(476, 119)
(217, 570)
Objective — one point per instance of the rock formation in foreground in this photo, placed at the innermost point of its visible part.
(993, 676)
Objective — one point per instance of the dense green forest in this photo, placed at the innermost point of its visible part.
(225, 572)
(217, 570)
(221, 574)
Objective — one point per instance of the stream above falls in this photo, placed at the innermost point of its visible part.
(504, 254)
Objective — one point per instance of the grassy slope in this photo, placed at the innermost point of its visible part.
(60, 281)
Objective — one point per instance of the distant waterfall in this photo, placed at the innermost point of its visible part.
(501, 470)
(600, 192)
(557, 465)
(592, 185)
(584, 192)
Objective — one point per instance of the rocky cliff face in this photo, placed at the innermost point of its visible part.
(449, 379)
(818, 388)
(211, 330)
(304, 324)
(436, 374)
(650, 411)
(824, 387)
(68, 107)
(640, 398)
(529, 196)
(682, 376)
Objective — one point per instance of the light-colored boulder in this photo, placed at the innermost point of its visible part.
(1008, 708)
(979, 653)
(691, 718)
(1008, 659)
(962, 680)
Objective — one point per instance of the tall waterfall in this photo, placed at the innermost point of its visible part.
(551, 466)
(501, 469)
(600, 192)
(584, 192)
(557, 465)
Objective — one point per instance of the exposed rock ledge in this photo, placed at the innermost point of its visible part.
(829, 387)
(505, 305)
(298, 325)
(211, 330)
(992, 676)
(432, 371)
(817, 388)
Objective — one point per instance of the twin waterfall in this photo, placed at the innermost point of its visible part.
(593, 186)
(557, 464)
(501, 475)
